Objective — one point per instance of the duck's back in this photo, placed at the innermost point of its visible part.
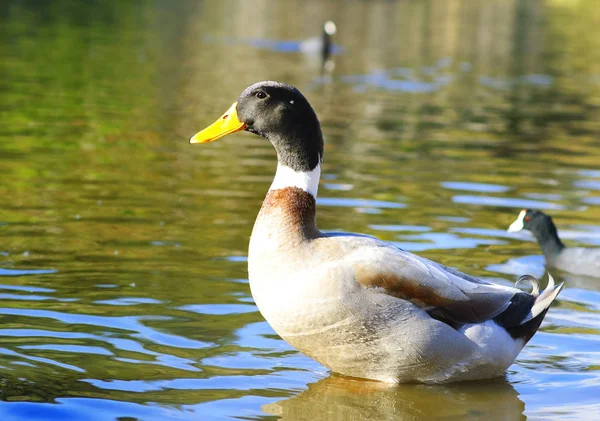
(578, 260)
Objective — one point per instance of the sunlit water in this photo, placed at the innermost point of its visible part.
(123, 284)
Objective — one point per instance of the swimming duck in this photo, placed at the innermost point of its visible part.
(359, 306)
(321, 45)
(576, 260)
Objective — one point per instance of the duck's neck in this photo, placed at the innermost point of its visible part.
(308, 181)
(288, 214)
(547, 237)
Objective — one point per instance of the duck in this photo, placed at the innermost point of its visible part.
(321, 45)
(359, 306)
(576, 260)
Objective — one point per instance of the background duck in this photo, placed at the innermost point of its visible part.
(360, 306)
(322, 45)
(577, 260)
(316, 49)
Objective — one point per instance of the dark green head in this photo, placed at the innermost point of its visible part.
(280, 113)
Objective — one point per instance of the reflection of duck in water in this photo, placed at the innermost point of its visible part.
(340, 398)
(358, 305)
(576, 260)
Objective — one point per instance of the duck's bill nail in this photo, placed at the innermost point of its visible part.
(518, 225)
(226, 124)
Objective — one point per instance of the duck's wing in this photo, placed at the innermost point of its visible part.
(438, 289)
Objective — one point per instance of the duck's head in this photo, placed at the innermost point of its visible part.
(329, 28)
(280, 113)
(542, 228)
(532, 220)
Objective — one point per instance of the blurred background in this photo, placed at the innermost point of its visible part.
(123, 283)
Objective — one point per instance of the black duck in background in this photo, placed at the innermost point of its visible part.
(322, 45)
(577, 260)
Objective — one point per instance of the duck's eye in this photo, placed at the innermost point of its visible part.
(527, 218)
(261, 95)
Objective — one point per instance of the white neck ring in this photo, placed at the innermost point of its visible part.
(287, 177)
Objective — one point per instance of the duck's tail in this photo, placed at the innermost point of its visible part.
(526, 312)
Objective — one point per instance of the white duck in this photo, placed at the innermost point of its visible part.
(360, 306)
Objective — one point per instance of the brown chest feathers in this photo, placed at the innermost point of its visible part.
(290, 212)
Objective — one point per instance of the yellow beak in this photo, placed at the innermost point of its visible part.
(226, 124)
